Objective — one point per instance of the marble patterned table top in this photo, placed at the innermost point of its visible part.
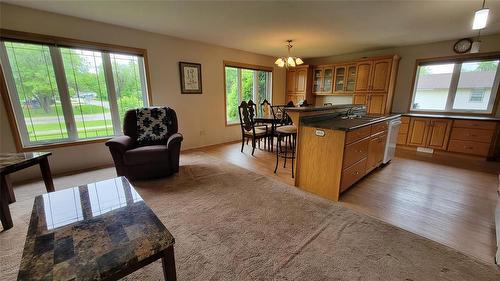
(90, 232)
(10, 159)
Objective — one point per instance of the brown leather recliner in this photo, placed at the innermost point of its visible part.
(145, 162)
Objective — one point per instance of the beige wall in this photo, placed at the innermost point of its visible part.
(406, 70)
(201, 117)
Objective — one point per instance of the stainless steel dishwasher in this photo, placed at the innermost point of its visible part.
(392, 136)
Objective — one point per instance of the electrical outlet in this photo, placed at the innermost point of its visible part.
(202, 132)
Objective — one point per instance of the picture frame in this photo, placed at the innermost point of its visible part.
(191, 81)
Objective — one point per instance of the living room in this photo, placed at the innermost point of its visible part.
(235, 211)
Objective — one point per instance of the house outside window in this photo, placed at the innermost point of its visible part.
(466, 86)
(243, 83)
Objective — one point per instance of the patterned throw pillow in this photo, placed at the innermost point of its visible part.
(152, 125)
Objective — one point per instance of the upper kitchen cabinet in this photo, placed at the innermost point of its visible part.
(350, 78)
(340, 77)
(363, 76)
(299, 84)
(381, 74)
(344, 79)
(374, 75)
(375, 82)
(322, 79)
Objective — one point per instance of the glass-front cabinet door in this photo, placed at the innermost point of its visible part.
(327, 80)
(339, 78)
(351, 78)
(317, 80)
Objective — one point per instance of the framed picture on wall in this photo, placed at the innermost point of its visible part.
(190, 77)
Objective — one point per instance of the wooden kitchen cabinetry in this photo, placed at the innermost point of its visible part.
(322, 79)
(451, 134)
(429, 132)
(472, 137)
(299, 84)
(370, 81)
(344, 79)
(374, 75)
(364, 151)
(347, 156)
(375, 81)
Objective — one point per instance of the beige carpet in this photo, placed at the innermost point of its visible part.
(232, 224)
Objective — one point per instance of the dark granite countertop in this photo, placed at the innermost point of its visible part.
(479, 118)
(337, 123)
(321, 108)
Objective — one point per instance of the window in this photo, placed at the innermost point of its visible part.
(477, 95)
(468, 86)
(64, 94)
(244, 84)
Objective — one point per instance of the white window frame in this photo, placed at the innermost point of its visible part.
(255, 88)
(454, 85)
(62, 87)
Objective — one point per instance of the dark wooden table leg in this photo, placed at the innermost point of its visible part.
(4, 181)
(46, 174)
(168, 263)
(5, 216)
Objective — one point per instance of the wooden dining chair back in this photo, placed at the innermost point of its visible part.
(280, 115)
(265, 109)
(246, 112)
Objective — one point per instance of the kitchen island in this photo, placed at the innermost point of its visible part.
(337, 149)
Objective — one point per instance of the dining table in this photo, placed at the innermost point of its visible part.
(268, 120)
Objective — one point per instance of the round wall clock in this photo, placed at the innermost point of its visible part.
(462, 46)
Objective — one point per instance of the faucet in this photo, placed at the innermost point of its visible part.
(349, 112)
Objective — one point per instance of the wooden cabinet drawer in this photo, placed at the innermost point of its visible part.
(476, 135)
(357, 134)
(352, 174)
(355, 152)
(379, 127)
(469, 147)
(474, 124)
(405, 120)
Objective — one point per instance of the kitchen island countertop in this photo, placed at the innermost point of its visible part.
(337, 123)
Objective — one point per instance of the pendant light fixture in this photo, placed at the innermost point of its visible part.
(480, 20)
(288, 61)
(480, 17)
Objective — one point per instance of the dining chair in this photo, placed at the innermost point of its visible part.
(265, 108)
(250, 130)
(286, 132)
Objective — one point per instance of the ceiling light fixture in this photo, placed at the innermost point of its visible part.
(288, 61)
(480, 17)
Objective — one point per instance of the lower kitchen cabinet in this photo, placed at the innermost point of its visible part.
(439, 132)
(417, 133)
(465, 136)
(429, 132)
(348, 156)
(376, 148)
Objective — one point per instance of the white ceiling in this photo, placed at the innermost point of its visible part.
(317, 28)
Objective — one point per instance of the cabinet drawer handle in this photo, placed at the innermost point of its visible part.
(468, 147)
(356, 173)
(471, 135)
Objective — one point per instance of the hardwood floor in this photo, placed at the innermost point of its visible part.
(451, 201)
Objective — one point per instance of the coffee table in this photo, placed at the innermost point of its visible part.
(98, 231)
(12, 162)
